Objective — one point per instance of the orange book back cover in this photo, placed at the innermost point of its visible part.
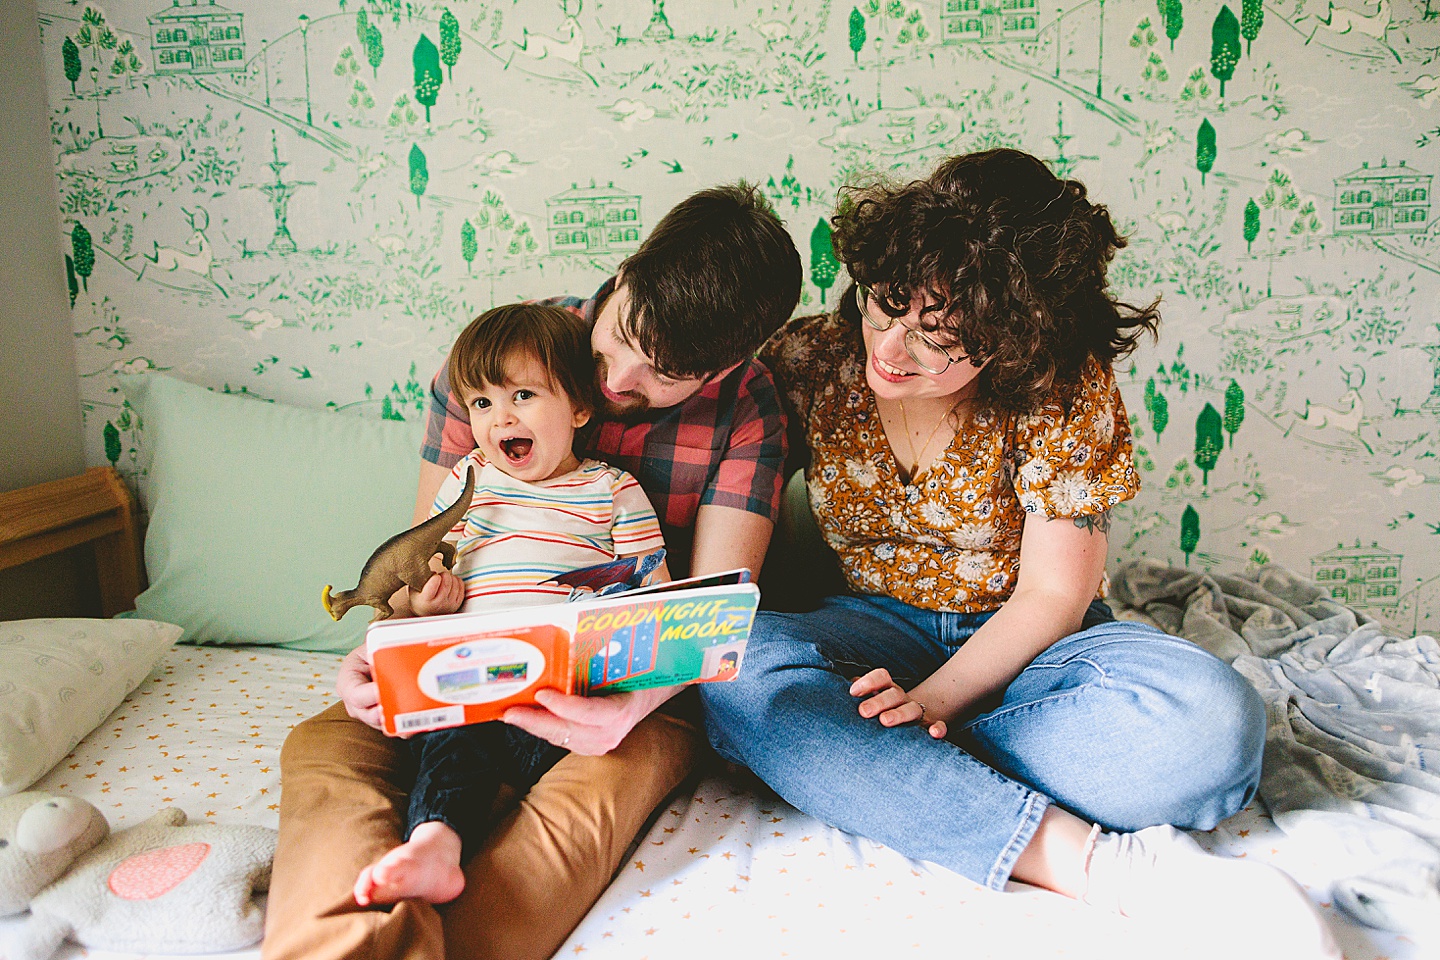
(471, 678)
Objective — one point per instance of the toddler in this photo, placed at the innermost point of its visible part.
(525, 373)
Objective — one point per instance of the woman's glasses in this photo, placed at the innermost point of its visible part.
(927, 354)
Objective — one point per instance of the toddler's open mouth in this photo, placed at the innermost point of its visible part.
(517, 449)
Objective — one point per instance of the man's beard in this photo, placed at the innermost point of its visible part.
(632, 403)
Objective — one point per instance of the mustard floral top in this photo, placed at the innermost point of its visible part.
(950, 540)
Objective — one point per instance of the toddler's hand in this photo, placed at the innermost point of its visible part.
(891, 704)
(444, 593)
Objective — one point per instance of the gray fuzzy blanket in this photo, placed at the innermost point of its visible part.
(1352, 756)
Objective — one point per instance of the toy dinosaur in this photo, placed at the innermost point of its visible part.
(403, 560)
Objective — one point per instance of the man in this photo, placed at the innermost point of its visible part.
(697, 420)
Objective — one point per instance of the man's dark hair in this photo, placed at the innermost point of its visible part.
(557, 339)
(714, 279)
(1012, 259)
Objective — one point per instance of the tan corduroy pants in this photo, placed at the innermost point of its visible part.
(343, 795)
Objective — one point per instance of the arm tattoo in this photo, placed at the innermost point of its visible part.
(1100, 521)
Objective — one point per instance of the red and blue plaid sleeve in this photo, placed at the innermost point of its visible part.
(447, 426)
(751, 474)
(575, 305)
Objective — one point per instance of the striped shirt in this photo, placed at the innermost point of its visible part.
(725, 446)
(517, 534)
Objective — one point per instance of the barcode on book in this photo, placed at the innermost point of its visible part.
(429, 719)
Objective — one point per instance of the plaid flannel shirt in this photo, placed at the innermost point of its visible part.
(725, 446)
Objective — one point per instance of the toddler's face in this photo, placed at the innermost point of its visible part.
(525, 426)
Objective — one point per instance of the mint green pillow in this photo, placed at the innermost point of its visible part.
(254, 507)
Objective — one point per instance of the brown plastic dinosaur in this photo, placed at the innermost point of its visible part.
(402, 561)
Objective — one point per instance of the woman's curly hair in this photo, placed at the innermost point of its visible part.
(1011, 261)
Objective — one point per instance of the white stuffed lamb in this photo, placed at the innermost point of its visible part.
(158, 887)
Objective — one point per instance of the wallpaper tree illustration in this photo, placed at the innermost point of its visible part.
(113, 449)
(468, 249)
(82, 253)
(1224, 47)
(1205, 149)
(823, 265)
(96, 37)
(1189, 532)
(419, 173)
(1208, 440)
(1173, 16)
(1158, 407)
(1250, 225)
(1252, 18)
(857, 33)
(427, 74)
(285, 211)
(449, 42)
(127, 63)
(374, 47)
(1234, 410)
(71, 56)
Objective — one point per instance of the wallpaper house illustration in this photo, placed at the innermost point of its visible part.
(593, 220)
(1382, 201)
(197, 37)
(1360, 576)
(304, 202)
(976, 20)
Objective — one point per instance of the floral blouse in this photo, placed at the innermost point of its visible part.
(950, 539)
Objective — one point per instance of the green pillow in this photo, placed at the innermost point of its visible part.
(255, 507)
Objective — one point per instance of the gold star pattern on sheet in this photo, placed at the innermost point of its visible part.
(743, 887)
(181, 732)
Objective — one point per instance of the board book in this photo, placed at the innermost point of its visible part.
(446, 671)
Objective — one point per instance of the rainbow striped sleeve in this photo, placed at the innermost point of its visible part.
(635, 528)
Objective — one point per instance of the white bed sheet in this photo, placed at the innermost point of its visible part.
(731, 870)
(202, 733)
(737, 872)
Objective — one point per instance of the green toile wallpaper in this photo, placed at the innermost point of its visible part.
(305, 201)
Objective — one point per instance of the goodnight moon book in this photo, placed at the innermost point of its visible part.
(436, 672)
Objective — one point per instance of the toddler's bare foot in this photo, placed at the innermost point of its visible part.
(425, 867)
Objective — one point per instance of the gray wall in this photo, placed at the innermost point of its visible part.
(40, 425)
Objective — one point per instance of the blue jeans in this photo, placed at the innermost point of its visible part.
(1120, 723)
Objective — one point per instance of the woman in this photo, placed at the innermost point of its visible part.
(967, 440)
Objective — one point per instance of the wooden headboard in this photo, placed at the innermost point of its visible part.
(94, 507)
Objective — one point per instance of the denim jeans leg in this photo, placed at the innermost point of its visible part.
(1130, 727)
(790, 718)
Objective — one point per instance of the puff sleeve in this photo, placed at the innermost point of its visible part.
(1073, 457)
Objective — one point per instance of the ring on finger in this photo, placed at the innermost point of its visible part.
(566, 741)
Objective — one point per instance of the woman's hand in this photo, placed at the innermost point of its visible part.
(891, 704)
(443, 593)
(356, 685)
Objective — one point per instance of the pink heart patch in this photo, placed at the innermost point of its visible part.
(147, 876)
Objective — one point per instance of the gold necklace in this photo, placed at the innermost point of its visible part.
(910, 442)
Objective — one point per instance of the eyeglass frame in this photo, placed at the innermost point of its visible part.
(862, 300)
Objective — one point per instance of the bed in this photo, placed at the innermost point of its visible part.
(726, 867)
